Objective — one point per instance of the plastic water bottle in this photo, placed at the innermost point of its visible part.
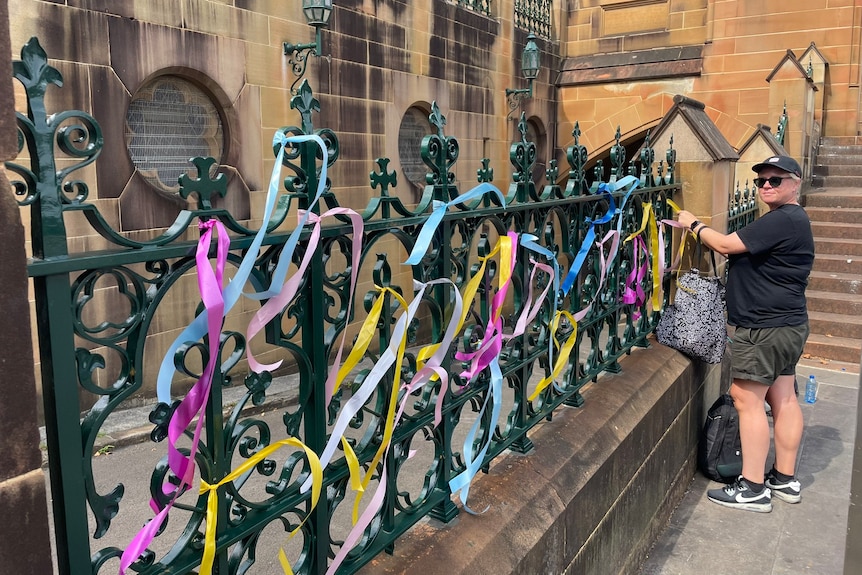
(811, 390)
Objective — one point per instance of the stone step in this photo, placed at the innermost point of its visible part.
(841, 215)
(841, 141)
(829, 302)
(840, 247)
(834, 292)
(836, 181)
(833, 348)
(837, 158)
(830, 151)
(833, 198)
(842, 264)
(839, 144)
(839, 168)
(836, 324)
(836, 230)
(835, 282)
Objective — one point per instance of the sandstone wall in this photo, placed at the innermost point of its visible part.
(382, 59)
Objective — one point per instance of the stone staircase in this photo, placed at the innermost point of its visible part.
(834, 292)
(838, 163)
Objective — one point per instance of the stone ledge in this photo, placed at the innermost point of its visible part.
(25, 548)
(592, 496)
(684, 61)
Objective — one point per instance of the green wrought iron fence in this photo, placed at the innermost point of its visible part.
(781, 130)
(264, 499)
(742, 208)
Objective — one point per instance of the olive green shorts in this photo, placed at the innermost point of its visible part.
(762, 354)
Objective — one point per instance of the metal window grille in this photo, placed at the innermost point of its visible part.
(534, 16)
(170, 121)
(480, 6)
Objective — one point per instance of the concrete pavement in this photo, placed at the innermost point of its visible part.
(808, 537)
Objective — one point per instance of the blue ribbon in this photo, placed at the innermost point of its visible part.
(286, 258)
(198, 327)
(473, 464)
(440, 208)
(631, 182)
(531, 242)
(588, 243)
(608, 188)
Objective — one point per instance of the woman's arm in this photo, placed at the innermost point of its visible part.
(713, 239)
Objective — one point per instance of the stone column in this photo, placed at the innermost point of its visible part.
(792, 90)
(25, 547)
(705, 160)
(705, 164)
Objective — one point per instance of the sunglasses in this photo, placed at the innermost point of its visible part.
(774, 181)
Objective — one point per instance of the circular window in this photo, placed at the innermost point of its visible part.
(414, 127)
(170, 121)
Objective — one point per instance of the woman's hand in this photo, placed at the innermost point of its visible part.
(686, 218)
(722, 243)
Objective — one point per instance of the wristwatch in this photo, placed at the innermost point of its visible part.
(694, 224)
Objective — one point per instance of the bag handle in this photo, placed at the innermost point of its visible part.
(699, 253)
(677, 262)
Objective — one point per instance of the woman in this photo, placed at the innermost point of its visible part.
(769, 262)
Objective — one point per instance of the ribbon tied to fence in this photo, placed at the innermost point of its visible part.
(432, 367)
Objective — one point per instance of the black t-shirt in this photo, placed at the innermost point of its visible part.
(766, 285)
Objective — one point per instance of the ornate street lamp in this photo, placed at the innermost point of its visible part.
(317, 13)
(530, 69)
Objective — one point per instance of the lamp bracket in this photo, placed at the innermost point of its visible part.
(515, 97)
(298, 57)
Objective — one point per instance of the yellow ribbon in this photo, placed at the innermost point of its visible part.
(656, 268)
(352, 465)
(647, 212)
(504, 247)
(469, 293)
(363, 339)
(285, 564)
(563, 356)
(389, 426)
(682, 243)
(648, 221)
(212, 498)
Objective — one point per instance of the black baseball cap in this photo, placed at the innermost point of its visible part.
(785, 163)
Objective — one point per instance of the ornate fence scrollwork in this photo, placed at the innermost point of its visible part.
(97, 345)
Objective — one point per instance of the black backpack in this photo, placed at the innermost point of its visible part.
(720, 450)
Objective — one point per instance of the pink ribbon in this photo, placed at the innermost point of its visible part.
(634, 293)
(677, 257)
(210, 284)
(276, 304)
(492, 341)
(533, 305)
(604, 262)
(423, 376)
